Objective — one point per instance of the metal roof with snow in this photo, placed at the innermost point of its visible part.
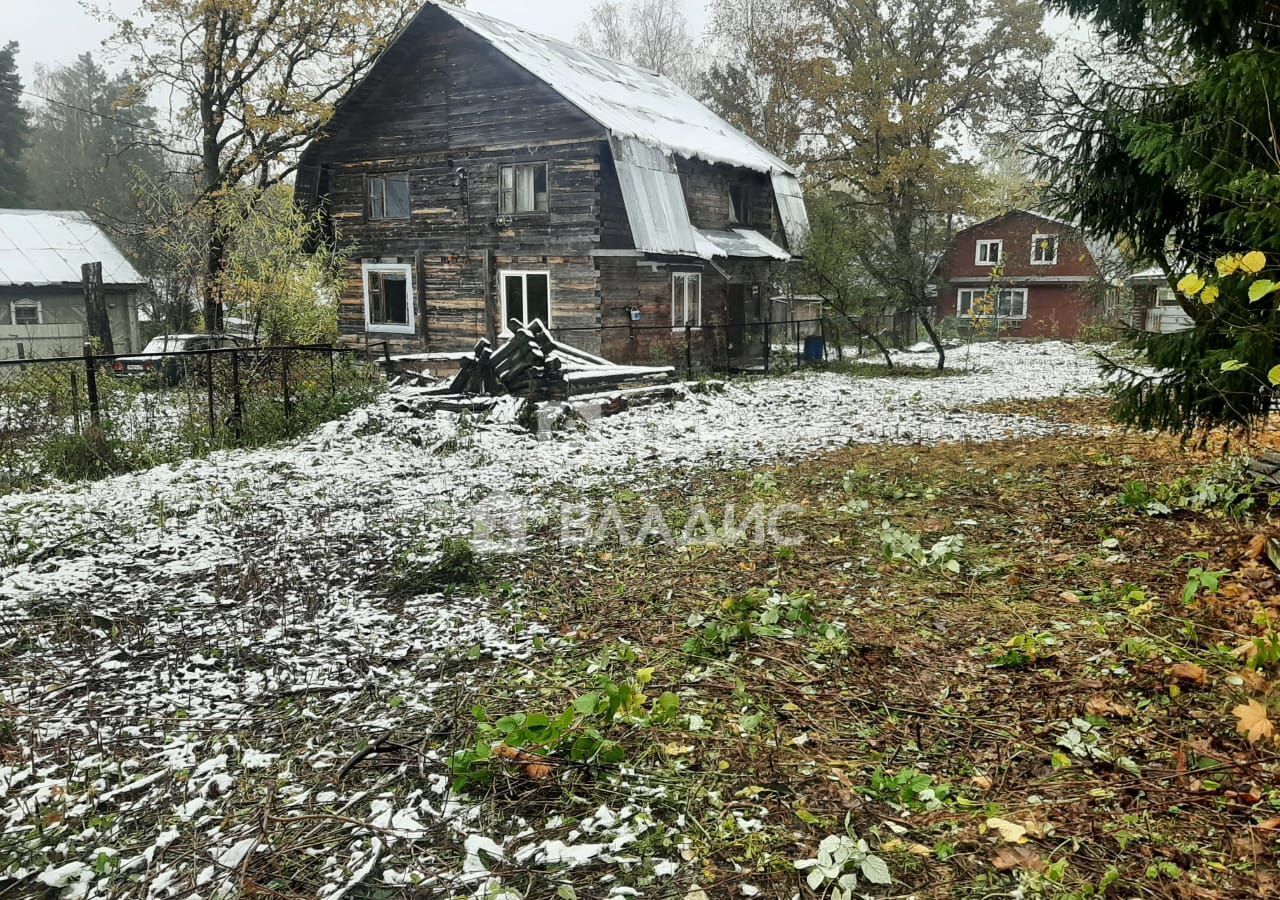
(40, 247)
(741, 243)
(628, 101)
(650, 120)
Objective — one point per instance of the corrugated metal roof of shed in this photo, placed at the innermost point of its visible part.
(742, 243)
(46, 247)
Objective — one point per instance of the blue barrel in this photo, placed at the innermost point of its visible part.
(815, 348)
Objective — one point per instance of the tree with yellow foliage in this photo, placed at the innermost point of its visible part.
(254, 81)
(901, 88)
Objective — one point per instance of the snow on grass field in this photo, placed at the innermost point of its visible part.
(193, 658)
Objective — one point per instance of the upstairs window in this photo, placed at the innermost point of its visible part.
(26, 312)
(1044, 249)
(686, 299)
(523, 189)
(388, 197)
(388, 298)
(526, 296)
(739, 204)
(990, 253)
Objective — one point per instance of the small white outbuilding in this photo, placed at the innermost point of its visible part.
(42, 305)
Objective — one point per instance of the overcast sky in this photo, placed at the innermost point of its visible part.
(55, 31)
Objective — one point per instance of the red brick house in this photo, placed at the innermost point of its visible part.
(1051, 284)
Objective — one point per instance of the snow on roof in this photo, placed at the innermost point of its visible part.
(1153, 274)
(741, 243)
(628, 101)
(43, 247)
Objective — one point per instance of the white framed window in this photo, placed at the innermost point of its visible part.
(388, 197)
(1012, 303)
(388, 298)
(26, 312)
(1166, 297)
(526, 296)
(523, 189)
(989, 253)
(1044, 249)
(686, 299)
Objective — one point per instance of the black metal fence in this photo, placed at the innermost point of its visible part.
(94, 414)
(716, 348)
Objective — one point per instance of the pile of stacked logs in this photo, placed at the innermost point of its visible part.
(535, 366)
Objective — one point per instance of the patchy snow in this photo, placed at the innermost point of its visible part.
(194, 655)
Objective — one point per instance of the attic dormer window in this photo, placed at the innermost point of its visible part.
(523, 189)
(739, 204)
(1044, 249)
(990, 253)
(388, 197)
(26, 312)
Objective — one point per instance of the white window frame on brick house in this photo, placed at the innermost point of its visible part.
(686, 291)
(518, 193)
(26, 304)
(522, 314)
(965, 298)
(982, 255)
(380, 269)
(1036, 259)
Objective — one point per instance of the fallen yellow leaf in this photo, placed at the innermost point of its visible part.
(1011, 832)
(1253, 723)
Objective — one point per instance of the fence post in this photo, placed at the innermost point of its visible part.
(208, 378)
(284, 379)
(688, 351)
(75, 398)
(333, 377)
(799, 349)
(91, 384)
(237, 402)
(768, 340)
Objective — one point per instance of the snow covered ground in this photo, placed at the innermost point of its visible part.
(190, 655)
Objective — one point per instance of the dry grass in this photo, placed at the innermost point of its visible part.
(1068, 607)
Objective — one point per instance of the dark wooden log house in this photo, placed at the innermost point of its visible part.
(482, 173)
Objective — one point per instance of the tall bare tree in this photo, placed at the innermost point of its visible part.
(255, 80)
(652, 34)
(763, 72)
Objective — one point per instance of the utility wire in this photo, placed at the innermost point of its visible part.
(91, 112)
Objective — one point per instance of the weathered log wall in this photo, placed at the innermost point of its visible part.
(449, 111)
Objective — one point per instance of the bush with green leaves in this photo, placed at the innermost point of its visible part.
(580, 734)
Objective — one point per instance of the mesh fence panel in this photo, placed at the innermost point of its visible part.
(55, 420)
